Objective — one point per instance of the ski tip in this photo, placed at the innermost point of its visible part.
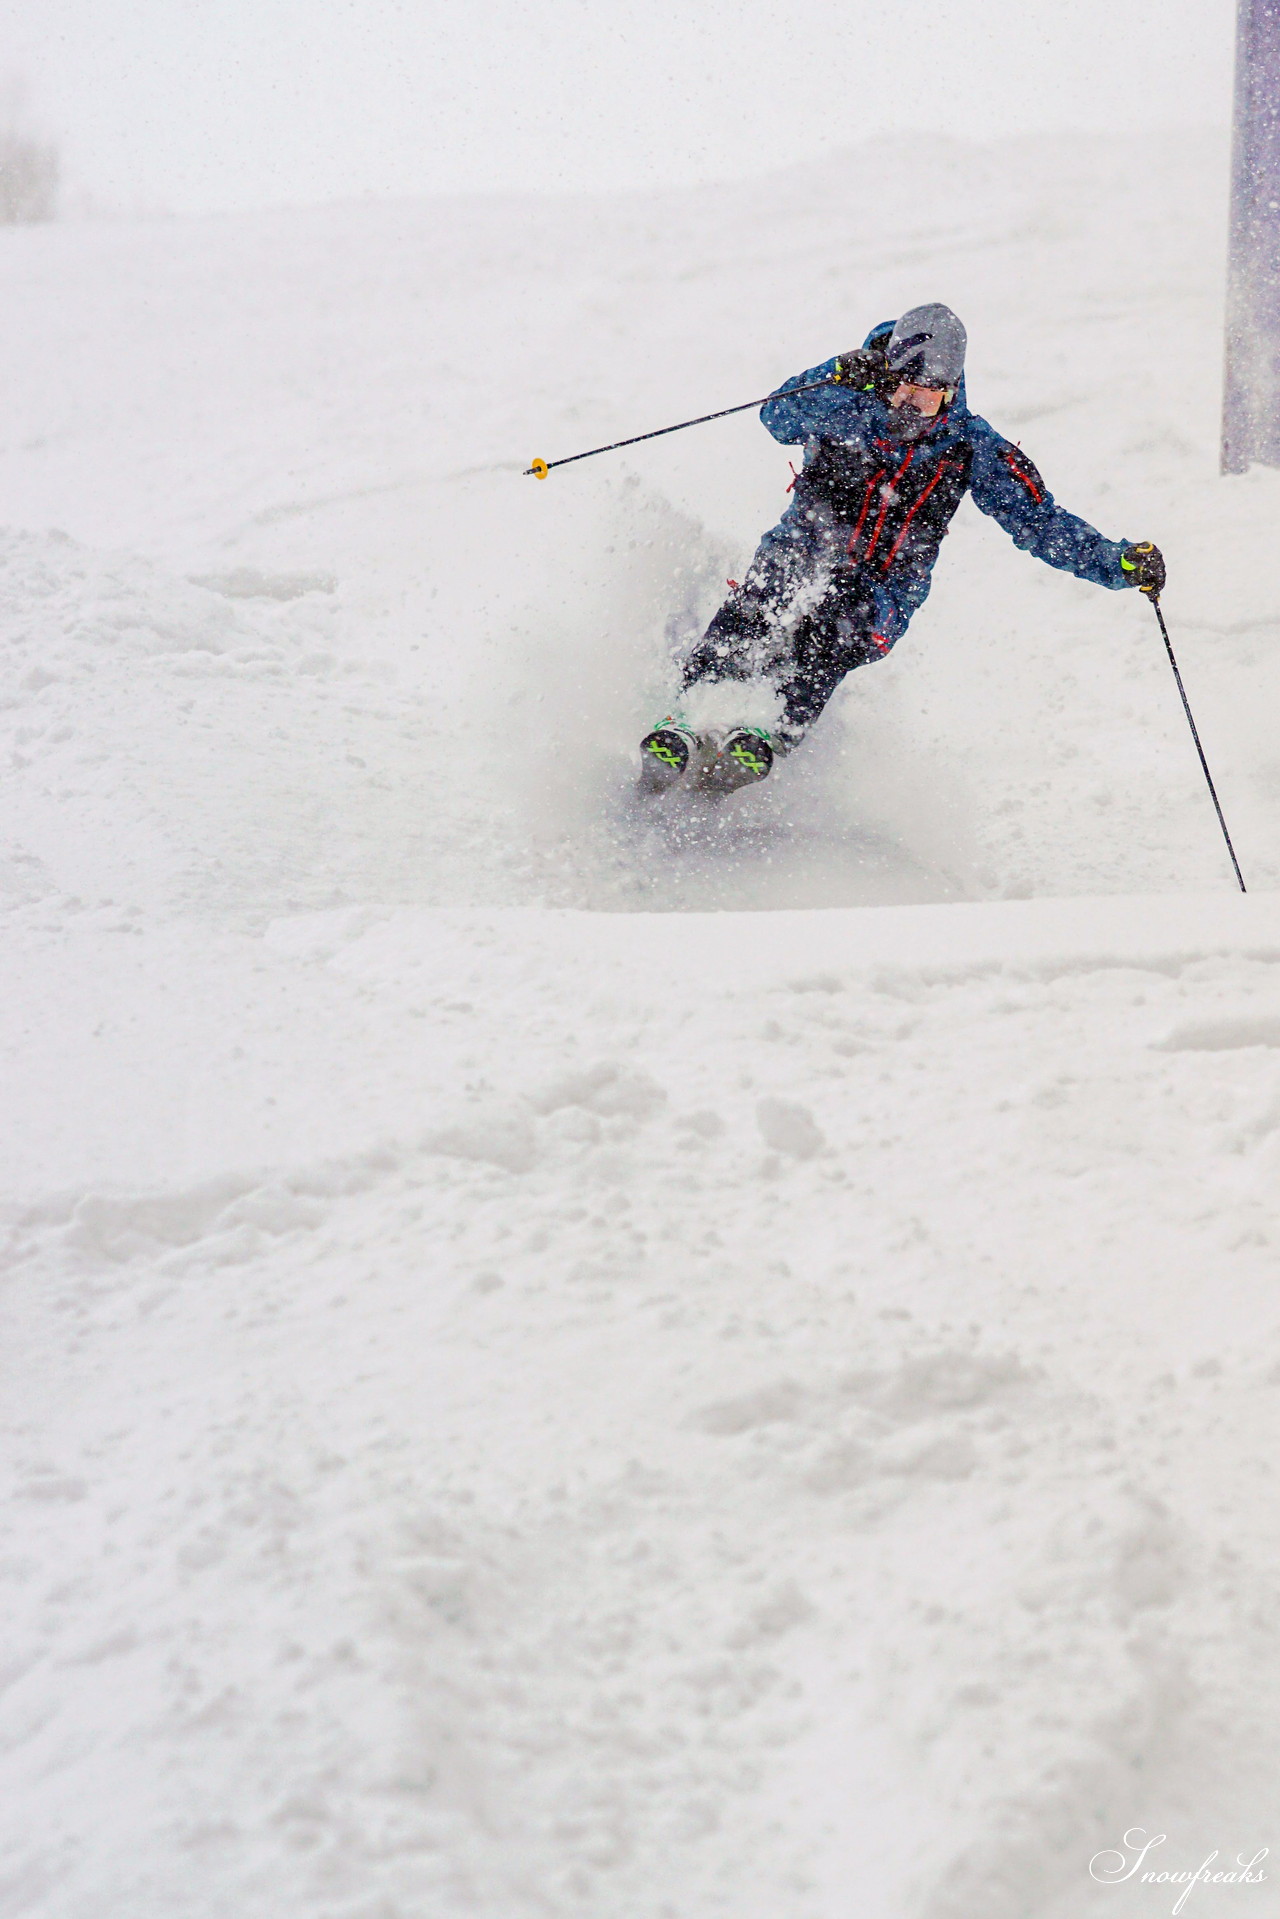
(539, 470)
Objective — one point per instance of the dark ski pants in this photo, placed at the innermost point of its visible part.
(754, 636)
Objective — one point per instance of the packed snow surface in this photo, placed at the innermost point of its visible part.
(565, 1361)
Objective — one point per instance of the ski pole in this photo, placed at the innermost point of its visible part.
(541, 468)
(1168, 647)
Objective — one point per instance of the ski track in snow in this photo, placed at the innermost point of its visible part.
(571, 1359)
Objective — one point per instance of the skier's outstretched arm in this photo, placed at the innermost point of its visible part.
(1006, 484)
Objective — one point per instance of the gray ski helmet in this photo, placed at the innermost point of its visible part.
(927, 346)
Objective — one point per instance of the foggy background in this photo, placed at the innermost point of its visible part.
(197, 105)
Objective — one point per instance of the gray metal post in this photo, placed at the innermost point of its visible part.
(1251, 396)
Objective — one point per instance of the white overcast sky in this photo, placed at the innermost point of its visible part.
(202, 104)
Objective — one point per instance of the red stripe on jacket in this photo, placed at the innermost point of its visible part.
(1018, 469)
(884, 503)
(906, 524)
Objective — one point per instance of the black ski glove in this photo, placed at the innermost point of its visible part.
(867, 369)
(1146, 563)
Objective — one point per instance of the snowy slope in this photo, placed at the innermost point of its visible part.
(525, 1394)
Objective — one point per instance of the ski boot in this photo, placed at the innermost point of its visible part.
(744, 758)
(666, 755)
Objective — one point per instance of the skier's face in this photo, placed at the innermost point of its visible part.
(914, 410)
(926, 400)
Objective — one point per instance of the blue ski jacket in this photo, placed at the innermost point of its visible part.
(865, 499)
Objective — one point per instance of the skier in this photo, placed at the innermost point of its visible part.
(890, 450)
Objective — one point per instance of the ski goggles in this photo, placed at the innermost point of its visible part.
(927, 400)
